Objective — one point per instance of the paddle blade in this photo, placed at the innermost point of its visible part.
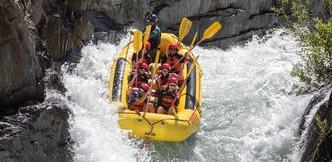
(147, 34)
(155, 66)
(211, 30)
(138, 41)
(184, 28)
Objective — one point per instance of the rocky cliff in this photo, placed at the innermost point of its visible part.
(20, 71)
(36, 133)
(36, 29)
(35, 34)
(316, 128)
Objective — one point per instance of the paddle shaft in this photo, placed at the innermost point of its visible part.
(146, 38)
(185, 80)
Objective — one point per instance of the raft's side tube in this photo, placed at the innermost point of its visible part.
(118, 84)
(118, 80)
(191, 88)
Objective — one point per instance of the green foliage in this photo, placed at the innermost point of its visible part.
(315, 70)
(300, 12)
(328, 4)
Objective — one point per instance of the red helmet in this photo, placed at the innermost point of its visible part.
(172, 47)
(144, 66)
(166, 66)
(145, 87)
(172, 80)
(147, 45)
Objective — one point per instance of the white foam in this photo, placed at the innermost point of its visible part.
(248, 114)
(94, 126)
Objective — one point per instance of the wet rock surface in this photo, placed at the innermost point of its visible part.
(37, 37)
(34, 33)
(36, 133)
(317, 131)
(20, 71)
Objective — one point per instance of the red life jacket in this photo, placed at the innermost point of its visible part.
(137, 106)
(139, 82)
(164, 79)
(172, 60)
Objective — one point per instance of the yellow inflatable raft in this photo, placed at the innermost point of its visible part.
(153, 126)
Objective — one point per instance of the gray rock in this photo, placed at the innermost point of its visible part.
(36, 133)
(20, 71)
(35, 33)
(316, 142)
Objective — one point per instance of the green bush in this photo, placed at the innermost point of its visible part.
(315, 69)
(315, 36)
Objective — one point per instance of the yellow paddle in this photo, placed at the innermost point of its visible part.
(208, 33)
(137, 47)
(194, 39)
(183, 32)
(211, 30)
(146, 38)
(147, 34)
(191, 68)
(184, 28)
(137, 41)
(155, 65)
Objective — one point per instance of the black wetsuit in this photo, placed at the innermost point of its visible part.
(155, 36)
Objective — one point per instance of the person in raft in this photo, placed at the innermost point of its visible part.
(168, 99)
(147, 56)
(173, 58)
(139, 99)
(163, 75)
(143, 75)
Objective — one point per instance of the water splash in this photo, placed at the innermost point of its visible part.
(248, 112)
(94, 126)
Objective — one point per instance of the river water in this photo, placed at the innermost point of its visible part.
(249, 112)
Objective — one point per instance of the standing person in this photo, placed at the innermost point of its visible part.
(155, 34)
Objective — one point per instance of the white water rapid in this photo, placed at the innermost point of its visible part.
(249, 113)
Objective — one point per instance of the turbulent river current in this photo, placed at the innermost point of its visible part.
(249, 112)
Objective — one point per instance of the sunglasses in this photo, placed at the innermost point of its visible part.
(172, 85)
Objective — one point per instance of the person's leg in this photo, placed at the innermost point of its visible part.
(154, 85)
(160, 110)
(171, 111)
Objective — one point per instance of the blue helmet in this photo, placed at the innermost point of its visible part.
(133, 97)
(152, 18)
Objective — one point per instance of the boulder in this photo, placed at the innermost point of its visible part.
(36, 133)
(20, 71)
